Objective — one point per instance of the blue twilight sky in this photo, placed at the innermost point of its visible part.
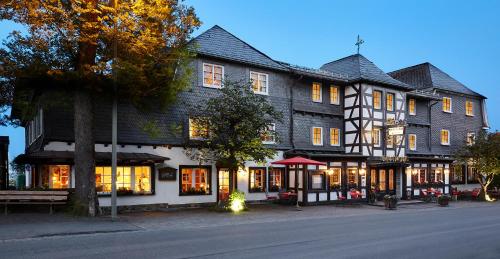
(460, 37)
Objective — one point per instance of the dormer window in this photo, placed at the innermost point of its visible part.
(316, 92)
(447, 104)
(411, 107)
(469, 108)
(212, 75)
(259, 82)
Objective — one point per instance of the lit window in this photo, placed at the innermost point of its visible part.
(195, 180)
(257, 179)
(419, 176)
(411, 107)
(390, 102)
(381, 180)
(373, 177)
(316, 92)
(335, 178)
(334, 95)
(268, 136)
(142, 176)
(391, 179)
(334, 137)
(352, 177)
(377, 99)
(412, 141)
(197, 130)
(376, 137)
(212, 75)
(445, 137)
(59, 176)
(275, 179)
(471, 138)
(128, 179)
(317, 136)
(437, 175)
(446, 104)
(469, 110)
(259, 82)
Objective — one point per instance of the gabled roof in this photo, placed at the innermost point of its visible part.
(219, 43)
(426, 75)
(359, 68)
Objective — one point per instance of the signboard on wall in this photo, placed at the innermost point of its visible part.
(167, 174)
(395, 131)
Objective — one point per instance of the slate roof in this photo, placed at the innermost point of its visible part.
(426, 75)
(359, 68)
(42, 156)
(313, 72)
(219, 43)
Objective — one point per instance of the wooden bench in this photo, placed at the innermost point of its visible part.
(50, 198)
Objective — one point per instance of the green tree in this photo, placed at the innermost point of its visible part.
(484, 155)
(231, 128)
(69, 46)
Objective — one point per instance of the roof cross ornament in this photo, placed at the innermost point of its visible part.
(359, 42)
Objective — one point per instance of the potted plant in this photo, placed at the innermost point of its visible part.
(444, 200)
(335, 187)
(122, 191)
(274, 188)
(390, 202)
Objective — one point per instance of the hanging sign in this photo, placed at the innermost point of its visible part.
(394, 131)
(167, 174)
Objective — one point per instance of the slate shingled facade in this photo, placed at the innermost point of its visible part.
(361, 161)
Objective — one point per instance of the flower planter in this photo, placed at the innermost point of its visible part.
(443, 200)
(390, 202)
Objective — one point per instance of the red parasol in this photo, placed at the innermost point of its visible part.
(297, 160)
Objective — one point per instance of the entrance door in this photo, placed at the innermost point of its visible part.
(384, 179)
(223, 185)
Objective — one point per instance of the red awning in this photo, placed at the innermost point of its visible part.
(297, 160)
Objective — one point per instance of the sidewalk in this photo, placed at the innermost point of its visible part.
(39, 225)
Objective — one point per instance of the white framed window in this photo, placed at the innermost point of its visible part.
(376, 137)
(412, 142)
(316, 92)
(412, 109)
(471, 138)
(445, 137)
(334, 137)
(334, 95)
(260, 82)
(377, 99)
(469, 108)
(389, 101)
(212, 75)
(268, 136)
(447, 104)
(317, 136)
(134, 179)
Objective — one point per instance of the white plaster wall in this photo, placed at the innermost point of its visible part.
(168, 191)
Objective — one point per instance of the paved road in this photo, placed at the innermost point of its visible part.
(412, 233)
